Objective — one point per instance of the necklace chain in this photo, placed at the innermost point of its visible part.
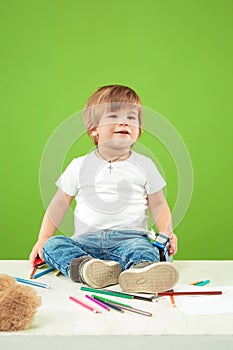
(113, 160)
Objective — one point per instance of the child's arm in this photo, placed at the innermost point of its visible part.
(53, 217)
(162, 218)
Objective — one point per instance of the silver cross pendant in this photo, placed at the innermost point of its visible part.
(110, 167)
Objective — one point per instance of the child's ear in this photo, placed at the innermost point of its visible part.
(95, 136)
(94, 132)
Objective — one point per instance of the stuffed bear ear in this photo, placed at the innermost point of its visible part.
(6, 282)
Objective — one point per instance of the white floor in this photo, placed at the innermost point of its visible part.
(60, 316)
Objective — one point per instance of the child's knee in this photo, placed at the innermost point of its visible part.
(54, 242)
(146, 254)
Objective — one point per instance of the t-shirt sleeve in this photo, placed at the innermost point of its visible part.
(68, 181)
(155, 182)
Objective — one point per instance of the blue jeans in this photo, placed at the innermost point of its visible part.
(126, 247)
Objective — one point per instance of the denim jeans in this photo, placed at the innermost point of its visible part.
(126, 247)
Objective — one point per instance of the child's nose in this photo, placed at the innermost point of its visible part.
(123, 120)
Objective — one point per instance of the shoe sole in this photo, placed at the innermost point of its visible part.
(157, 277)
(100, 273)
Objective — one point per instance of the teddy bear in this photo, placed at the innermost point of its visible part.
(18, 304)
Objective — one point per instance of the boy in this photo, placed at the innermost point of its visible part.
(113, 187)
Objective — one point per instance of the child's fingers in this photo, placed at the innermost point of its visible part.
(41, 254)
(32, 257)
(173, 244)
(173, 249)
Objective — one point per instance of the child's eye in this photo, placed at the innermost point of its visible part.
(131, 117)
(112, 116)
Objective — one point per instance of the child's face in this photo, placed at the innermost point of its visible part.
(119, 126)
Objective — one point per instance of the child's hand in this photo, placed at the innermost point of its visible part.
(36, 250)
(173, 244)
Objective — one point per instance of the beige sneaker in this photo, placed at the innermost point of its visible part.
(156, 277)
(100, 273)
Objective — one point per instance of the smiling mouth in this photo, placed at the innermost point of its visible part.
(124, 132)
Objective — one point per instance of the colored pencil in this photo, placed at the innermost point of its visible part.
(102, 291)
(118, 294)
(200, 283)
(137, 311)
(97, 302)
(123, 306)
(38, 261)
(133, 296)
(194, 283)
(109, 301)
(172, 297)
(33, 271)
(203, 283)
(57, 273)
(114, 307)
(84, 305)
(44, 272)
(190, 293)
(36, 284)
(173, 300)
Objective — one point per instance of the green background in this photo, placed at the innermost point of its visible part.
(177, 55)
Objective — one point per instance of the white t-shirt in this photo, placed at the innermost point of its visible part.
(113, 199)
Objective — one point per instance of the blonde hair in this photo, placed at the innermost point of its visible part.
(107, 97)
